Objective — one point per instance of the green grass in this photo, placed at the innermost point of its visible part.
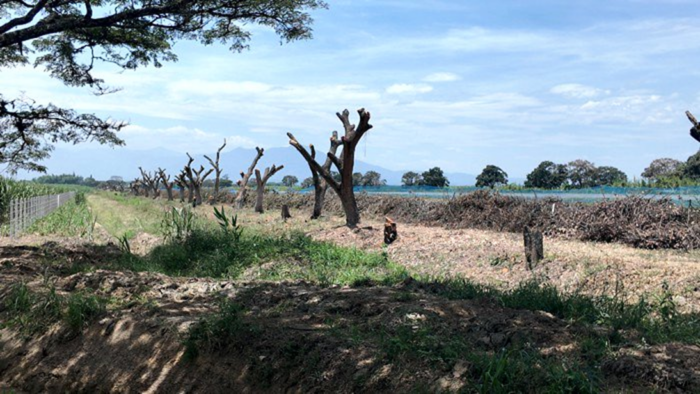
(218, 331)
(33, 312)
(127, 215)
(658, 320)
(73, 219)
(210, 252)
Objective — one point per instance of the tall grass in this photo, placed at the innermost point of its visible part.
(73, 219)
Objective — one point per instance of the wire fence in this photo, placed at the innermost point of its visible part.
(25, 211)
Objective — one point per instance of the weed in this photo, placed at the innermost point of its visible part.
(82, 309)
(217, 332)
(177, 223)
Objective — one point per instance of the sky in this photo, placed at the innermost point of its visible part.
(454, 84)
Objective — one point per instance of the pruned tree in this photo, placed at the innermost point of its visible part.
(345, 164)
(165, 178)
(69, 38)
(150, 181)
(196, 179)
(181, 182)
(319, 183)
(134, 186)
(261, 181)
(245, 177)
(217, 171)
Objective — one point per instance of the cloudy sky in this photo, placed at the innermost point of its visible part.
(449, 83)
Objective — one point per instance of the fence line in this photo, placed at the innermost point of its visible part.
(25, 211)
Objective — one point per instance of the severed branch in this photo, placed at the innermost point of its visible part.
(695, 130)
(261, 181)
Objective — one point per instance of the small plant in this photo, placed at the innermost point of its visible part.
(82, 309)
(177, 224)
(216, 332)
(229, 226)
(80, 198)
(124, 245)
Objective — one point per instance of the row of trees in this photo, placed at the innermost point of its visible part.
(576, 174)
(432, 177)
(194, 179)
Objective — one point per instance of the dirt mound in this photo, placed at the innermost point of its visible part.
(302, 338)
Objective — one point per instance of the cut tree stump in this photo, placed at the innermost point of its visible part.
(534, 247)
(390, 233)
(285, 212)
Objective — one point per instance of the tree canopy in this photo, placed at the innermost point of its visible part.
(411, 178)
(661, 168)
(372, 178)
(491, 176)
(290, 180)
(68, 38)
(435, 177)
(547, 175)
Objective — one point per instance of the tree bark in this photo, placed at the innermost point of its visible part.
(345, 164)
(181, 181)
(217, 173)
(151, 181)
(261, 182)
(695, 130)
(196, 179)
(166, 182)
(243, 183)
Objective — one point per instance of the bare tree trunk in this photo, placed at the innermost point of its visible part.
(150, 181)
(196, 179)
(261, 182)
(243, 183)
(345, 164)
(166, 182)
(320, 189)
(217, 169)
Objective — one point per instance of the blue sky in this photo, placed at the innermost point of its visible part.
(454, 84)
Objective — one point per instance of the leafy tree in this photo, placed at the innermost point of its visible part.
(491, 176)
(411, 178)
(581, 173)
(691, 168)
(435, 177)
(63, 179)
(68, 38)
(607, 176)
(307, 182)
(357, 179)
(225, 181)
(372, 178)
(290, 180)
(662, 168)
(547, 175)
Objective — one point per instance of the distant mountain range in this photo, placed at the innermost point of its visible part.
(102, 163)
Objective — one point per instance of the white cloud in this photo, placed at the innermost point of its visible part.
(404, 88)
(442, 77)
(575, 90)
(180, 139)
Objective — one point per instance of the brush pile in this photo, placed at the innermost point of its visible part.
(634, 220)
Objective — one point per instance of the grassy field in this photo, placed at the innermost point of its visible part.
(261, 295)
